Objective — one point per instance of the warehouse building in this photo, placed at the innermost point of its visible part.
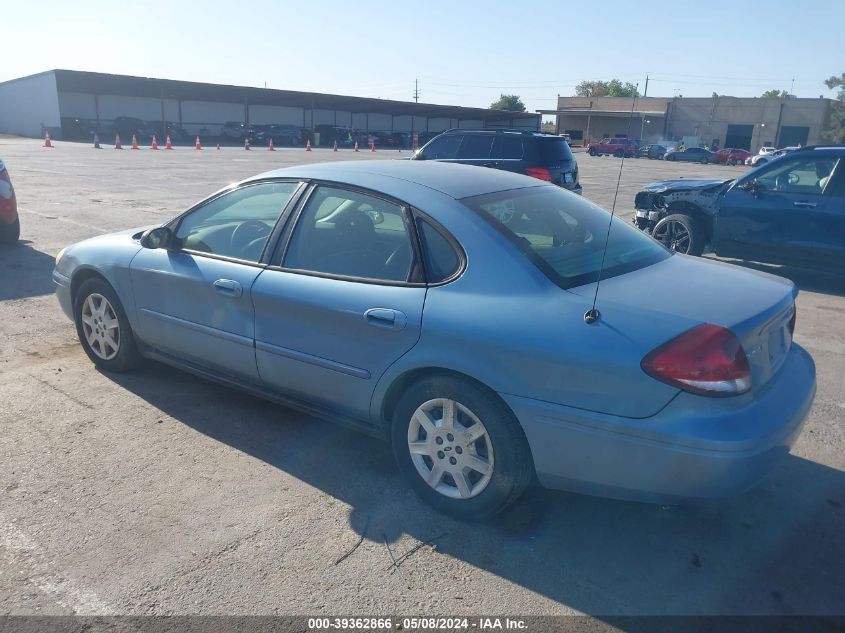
(64, 102)
(747, 123)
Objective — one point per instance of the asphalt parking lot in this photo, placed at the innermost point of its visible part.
(158, 493)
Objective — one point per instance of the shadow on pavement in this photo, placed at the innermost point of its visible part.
(805, 278)
(775, 550)
(26, 272)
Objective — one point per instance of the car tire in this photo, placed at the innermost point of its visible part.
(704, 161)
(680, 233)
(499, 445)
(10, 233)
(592, 151)
(103, 328)
(619, 154)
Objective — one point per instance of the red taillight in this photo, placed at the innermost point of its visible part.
(8, 205)
(706, 360)
(792, 319)
(539, 172)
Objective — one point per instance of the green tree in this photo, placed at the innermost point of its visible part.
(835, 129)
(511, 103)
(612, 88)
(775, 94)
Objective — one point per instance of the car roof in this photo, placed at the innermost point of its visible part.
(454, 180)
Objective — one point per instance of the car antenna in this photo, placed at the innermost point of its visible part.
(592, 315)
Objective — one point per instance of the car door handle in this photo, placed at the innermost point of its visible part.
(489, 164)
(386, 318)
(228, 288)
(801, 204)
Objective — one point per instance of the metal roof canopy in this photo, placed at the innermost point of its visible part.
(127, 85)
(610, 113)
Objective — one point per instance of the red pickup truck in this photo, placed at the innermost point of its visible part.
(618, 147)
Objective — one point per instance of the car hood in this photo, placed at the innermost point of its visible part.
(683, 184)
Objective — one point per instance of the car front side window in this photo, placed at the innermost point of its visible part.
(444, 147)
(236, 224)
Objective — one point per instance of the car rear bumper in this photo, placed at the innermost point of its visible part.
(63, 293)
(695, 448)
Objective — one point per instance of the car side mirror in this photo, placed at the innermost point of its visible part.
(752, 186)
(159, 237)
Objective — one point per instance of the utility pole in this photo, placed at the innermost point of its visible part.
(792, 87)
(645, 90)
(417, 90)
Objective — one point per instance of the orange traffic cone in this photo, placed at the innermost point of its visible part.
(356, 147)
(335, 146)
(135, 143)
(218, 146)
(117, 144)
(270, 146)
(246, 143)
(97, 142)
(167, 143)
(197, 144)
(47, 141)
(308, 146)
(154, 144)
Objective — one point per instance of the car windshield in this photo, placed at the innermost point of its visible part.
(564, 235)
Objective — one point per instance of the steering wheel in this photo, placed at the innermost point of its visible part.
(246, 233)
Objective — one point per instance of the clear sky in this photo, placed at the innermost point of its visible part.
(462, 52)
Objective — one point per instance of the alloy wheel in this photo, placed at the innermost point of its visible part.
(450, 448)
(100, 326)
(674, 235)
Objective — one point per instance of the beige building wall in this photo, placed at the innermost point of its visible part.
(707, 118)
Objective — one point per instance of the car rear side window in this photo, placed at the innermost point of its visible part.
(441, 260)
(507, 146)
(554, 151)
(442, 147)
(476, 146)
(564, 235)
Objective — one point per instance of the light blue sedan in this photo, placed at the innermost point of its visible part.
(442, 307)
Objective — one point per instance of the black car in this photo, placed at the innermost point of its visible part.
(788, 211)
(289, 135)
(653, 151)
(544, 156)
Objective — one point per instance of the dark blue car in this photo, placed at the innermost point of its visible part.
(789, 211)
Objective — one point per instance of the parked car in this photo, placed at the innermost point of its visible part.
(127, 126)
(441, 307)
(177, 133)
(692, 155)
(653, 151)
(537, 154)
(766, 157)
(235, 131)
(345, 136)
(732, 156)
(290, 135)
(77, 129)
(788, 211)
(618, 147)
(10, 224)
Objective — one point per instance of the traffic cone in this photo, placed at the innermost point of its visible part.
(167, 143)
(218, 146)
(97, 142)
(47, 141)
(154, 144)
(197, 144)
(356, 147)
(335, 146)
(135, 143)
(246, 143)
(308, 146)
(117, 144)
(270, 146)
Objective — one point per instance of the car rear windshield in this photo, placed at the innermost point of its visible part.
(564, 235)
(554, 150)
